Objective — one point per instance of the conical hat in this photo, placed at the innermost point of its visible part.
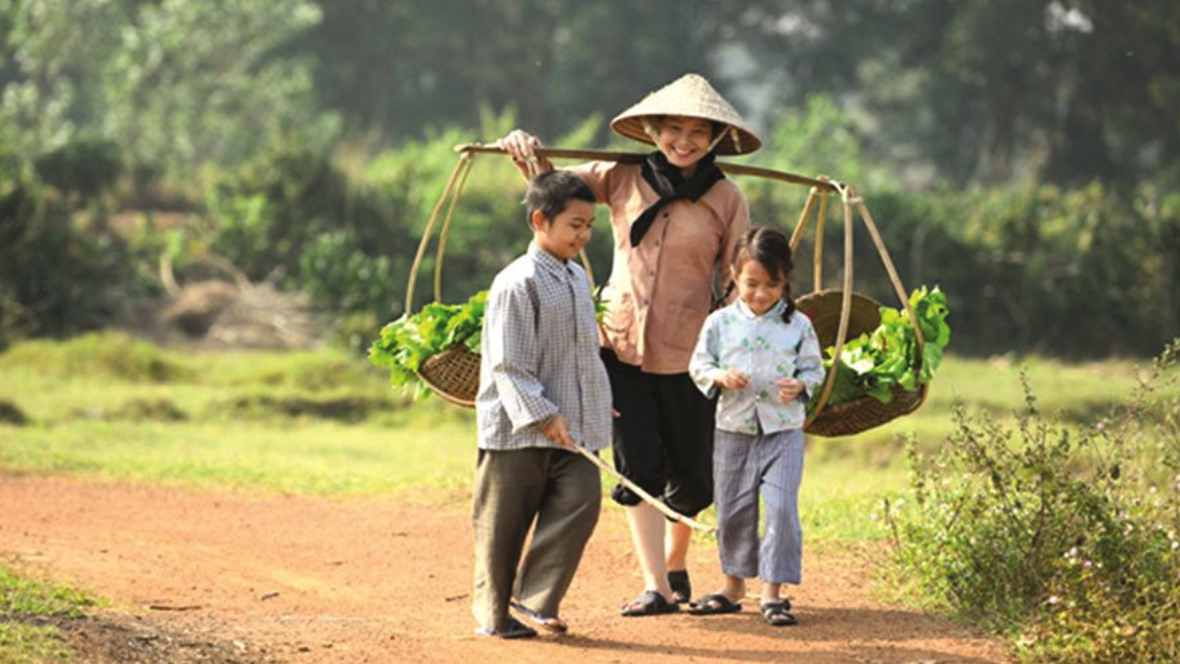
(691, 96)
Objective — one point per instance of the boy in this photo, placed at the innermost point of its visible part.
(543, 390)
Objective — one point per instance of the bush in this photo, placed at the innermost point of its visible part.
(56, 277)
(105, 355)
(1066, 539)
(86, 168)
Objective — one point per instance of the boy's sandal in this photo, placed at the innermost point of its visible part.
(551, 623)
(513, 629)
(778, 614)
(681, 586)
(650, 603)
(713, 605)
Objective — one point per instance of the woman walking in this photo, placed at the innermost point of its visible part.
(675, 220)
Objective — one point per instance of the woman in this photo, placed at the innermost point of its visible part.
(675, 220)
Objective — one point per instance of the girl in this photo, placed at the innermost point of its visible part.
(765, 360)
(675, 220)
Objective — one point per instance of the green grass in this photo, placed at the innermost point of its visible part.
(24, 603)
(324, 423)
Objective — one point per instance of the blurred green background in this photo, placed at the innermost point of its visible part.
(1022, 155)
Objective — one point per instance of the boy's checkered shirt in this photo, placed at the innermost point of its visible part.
(540, 357)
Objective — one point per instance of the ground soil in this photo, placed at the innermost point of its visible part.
(218, 577)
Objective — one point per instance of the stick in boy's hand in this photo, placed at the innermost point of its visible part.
(556, 429)
(788, 388)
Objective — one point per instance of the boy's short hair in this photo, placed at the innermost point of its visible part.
(551, 191)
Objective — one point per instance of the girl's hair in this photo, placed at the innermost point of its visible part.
(772, 249)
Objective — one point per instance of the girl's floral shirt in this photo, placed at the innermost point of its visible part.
(766, 349)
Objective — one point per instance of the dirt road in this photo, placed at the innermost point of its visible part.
(201, 576)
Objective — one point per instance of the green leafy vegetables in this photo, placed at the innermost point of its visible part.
(408, 341)
(874, 363)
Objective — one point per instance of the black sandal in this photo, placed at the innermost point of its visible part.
(778, 614)
(513, 629)
(650, 603)
(713, 605)
(681, 586)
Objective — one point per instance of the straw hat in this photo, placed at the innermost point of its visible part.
(690, 96)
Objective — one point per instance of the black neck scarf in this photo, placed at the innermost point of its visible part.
(670, 184)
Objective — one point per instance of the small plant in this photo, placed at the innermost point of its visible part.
(1065, 539)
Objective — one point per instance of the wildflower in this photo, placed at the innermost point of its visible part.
(1054, 599)
(1087, 564)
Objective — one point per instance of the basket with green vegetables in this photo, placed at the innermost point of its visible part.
(880, 372)
(437, 349)
(406, 344)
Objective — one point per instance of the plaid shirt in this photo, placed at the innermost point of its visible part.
(539, 357)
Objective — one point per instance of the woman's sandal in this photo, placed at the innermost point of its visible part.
(713, 605)
(778, 614)
(681, 586)
(650, 603)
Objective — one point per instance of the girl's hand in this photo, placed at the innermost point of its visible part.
(732, 380)
(788, 388)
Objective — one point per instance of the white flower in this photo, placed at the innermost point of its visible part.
(1054, 599)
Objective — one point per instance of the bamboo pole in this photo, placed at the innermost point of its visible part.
(635, 157)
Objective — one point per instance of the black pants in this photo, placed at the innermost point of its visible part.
(663, 437)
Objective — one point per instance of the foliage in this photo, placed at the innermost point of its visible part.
(86, 168)
(291, 210)
(412, 339)
(1067, 540)
(56, 276)
(1070, 273)
(338, 273)
(999, 92)
(876, 362)
(175, 84)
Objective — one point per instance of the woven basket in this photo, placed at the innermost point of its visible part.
(453, 375)
(852, 417)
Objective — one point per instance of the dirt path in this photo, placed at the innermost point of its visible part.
(226, 577)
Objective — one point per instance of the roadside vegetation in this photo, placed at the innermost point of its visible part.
(1034, 497)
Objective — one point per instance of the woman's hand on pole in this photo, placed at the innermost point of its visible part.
(520, 145)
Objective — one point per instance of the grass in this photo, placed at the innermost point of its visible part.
(26, 634)
(324, 423)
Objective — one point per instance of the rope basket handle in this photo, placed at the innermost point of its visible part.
(452, 192)
(849, 198)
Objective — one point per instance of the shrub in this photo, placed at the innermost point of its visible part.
(56, 277)
(1066, 539)
(105, 355)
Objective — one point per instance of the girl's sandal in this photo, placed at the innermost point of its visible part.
(778, 614)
